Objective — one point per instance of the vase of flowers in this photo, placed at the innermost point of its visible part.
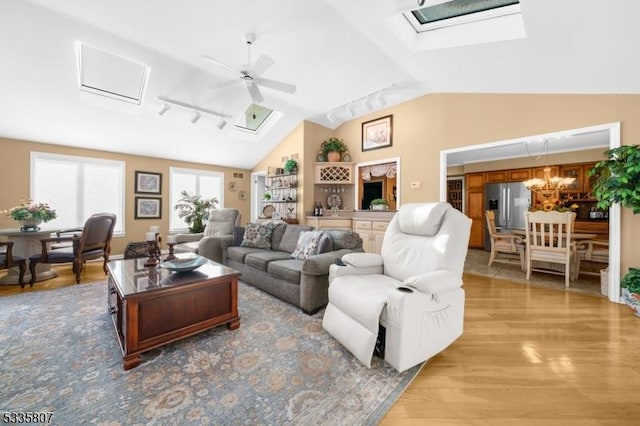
(31, 215)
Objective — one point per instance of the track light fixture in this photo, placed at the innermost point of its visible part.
(164, 108)
(166, 102)
(365, 101)
(221, 123)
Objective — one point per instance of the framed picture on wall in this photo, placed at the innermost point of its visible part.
(377, 133)
(148, 208)
(242, 195)
(148, 183)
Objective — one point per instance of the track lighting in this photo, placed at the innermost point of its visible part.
(351, 110)
(368, 103)
(381, 100)
(166, 102)
(331, 117)
(163, 109)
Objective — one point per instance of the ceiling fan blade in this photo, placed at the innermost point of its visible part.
(277, 85)
(222, 84)
(221, 65)
(261, 65)
(255, 93)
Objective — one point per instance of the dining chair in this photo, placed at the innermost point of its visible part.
(504, 242)
(596, 251)
(93, 243)
(8, 260)
(548, 241)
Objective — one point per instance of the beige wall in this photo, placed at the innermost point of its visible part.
(424, 126)
(15, 173)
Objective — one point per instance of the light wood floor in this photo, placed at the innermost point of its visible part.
(528, 356)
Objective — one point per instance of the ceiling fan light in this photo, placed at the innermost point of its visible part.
(195, 117)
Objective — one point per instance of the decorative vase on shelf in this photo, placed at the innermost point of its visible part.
(30, 225)
(333, 156)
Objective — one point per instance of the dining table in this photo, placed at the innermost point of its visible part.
(576, 237)
(26, 244)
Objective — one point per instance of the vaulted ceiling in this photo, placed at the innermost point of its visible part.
(334, 51)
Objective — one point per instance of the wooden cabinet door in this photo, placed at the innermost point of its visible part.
(519, 175)
(538, 172)
(475, 181)
(475, 211)
(589, 181)
(572, 172)
(497, 176)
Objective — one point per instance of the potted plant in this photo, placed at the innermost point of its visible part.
(267, 196)
(31, 215)
(379, 204)
(618, 181)
(333, 148)
(194, 210)
(291, 166)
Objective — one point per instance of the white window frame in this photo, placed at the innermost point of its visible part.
(120, 216)
(196, 172)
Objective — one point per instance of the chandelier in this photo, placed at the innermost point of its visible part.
(548, 186)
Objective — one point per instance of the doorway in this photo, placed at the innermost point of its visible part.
(371, 191)
(613, 132)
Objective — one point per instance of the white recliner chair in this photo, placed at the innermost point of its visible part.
(413, 289)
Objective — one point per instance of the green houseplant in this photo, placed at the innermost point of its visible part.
(290, 166)
(194, 210)
(618, 181)
(379, 204)
(332, 148)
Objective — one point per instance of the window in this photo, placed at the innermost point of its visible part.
(471, 10)
(201, 182)
(254, 117)
(77, 187)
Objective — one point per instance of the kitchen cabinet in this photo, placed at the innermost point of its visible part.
(333, 173)
(324, 222)
(573, 171)
(475, 208)
(371, 232)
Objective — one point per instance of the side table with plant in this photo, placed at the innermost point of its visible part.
(618, 182)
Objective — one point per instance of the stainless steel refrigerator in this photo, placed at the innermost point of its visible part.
(510, 202)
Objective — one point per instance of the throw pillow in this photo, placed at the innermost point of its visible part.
(308, 244)
(326, 244)
(258, 235)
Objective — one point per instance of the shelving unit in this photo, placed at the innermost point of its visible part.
(284, 197)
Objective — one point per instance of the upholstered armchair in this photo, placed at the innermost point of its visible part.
(93, 243)
(408, 300)
(220, 226)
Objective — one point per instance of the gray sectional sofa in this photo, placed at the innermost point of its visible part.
(303, 283)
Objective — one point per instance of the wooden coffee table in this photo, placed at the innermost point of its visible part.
(151, 307)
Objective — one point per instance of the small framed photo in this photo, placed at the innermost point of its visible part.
(148, 183)
(242, 195)
(233, 186)
(148, 208)
(377, 133)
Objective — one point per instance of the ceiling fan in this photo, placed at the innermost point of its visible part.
(250, 74)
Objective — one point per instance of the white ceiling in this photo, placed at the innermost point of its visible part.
(334, 52)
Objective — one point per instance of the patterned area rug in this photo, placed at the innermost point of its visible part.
(59, 353)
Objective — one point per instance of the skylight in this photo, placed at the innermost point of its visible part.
(254, 117)
(459, 11)
(446, 24)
